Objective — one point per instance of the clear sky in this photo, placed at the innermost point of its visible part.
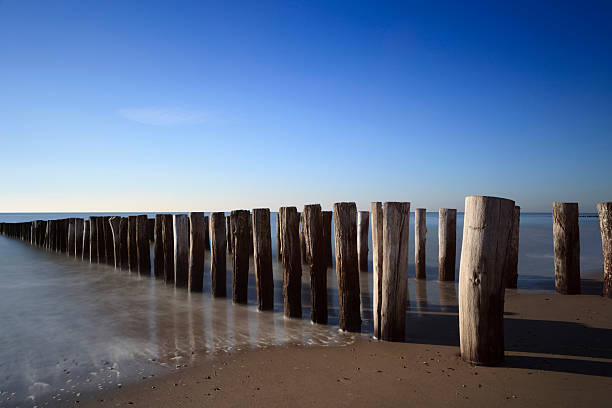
(177, 106)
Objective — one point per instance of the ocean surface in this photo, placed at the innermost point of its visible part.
(69, 328)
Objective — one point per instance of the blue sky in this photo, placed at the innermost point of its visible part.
(158, 106)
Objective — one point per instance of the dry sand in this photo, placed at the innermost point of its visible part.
(558, 354)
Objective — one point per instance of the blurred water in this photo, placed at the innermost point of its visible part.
(69, 327)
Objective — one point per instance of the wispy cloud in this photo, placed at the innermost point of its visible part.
(165, 116)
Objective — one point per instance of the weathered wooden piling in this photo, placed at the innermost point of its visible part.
(206, 233)
(71, 245)
(605, 225)
(326, 225)
(347, 270)
(420, 238)
(115, 223)
(396, 223)
(123, 244)
(181, 249)
(142, 243)
(250, 235)
(217, 254)
(363, 225)
(292, 263)
(86, 237)
(486, 229)
(302, 239)
(93, 240)
(168, 238)
(566, 236)
(151, 229)
(132, 244)
(101, 240)
(447, 236)
(313, 236)
(262, 258)
(158, 248)
(197, 251)
(78, 237)
(278, 237)
(511, 270)
(241, 248)
(108, 242)
(228, 233)
(376, 208)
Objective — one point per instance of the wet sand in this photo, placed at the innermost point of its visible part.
(558, 353)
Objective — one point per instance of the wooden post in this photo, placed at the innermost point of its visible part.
(158, 248)
(217, 254)
(605, 225)
(132, 245)
(420, 237)
(376, 209)
(486, 229)
(78, 237)
(124, 259)
(71, 246)
(313, 237)
(262, 258)
(566, 237)
(108, 242)
(347, 270)
(206, 233)
(228, 232)
(86, 244)
(151, 229)
(278, 237)
(250, 235)
(302, 239)
(511, 270)
(326, 224)
(363, 224)
(101, 242)
(115, 223)
(142, 243)
(218, 265)
(181, 249)
(447, 235)
(196, 251)
(240, 255)
(168, 238)
(396, 223)
(292, 263)
(93, 240)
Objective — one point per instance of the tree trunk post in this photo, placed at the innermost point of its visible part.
(142, 243)
(567, 248)
(196, 251)
(486, 229)
(101, 241)
(218, 248)
(313, 236)
(71, 237)
(241, 248)
(420, 238)
(262, 247)
(158, 248)
(228, 233)
(86, 245)
(108, 242)
(292, 262)
(605, 225)
(151, 229)
(181, 249)
(363, 225)
(114, 223)
(168, 238)
(347, 270)
(447, 235)
(511, 271)
(93, 240)
(78, 237)
(376, 208)
(396, 237)
(132, 245)
(123, 244)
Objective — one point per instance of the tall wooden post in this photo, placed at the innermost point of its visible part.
(228, 233)
(115, 223)
(78, 237)
(142, 243)
(566, 237)
(93, 240)
(206, 233)
(605, 225)
(71, 245)
(511, 271)
(302, 239)
(250, 236)
(447, 235)
(262, 253)
(241, 248)
(292, 263)
(278, 237)
(420, 237)
(217, 254)
(363, 224)
(108, 242)
(132, 245)
(396, 223)
(486, 229)
(181, 249)
(86, 245)
(347, 270)
(313, 236)
(376, 208)
(158, 248)
(168, 238)
(326, 224)
(124, 259)
(196, 251)
(101, 242)
(151, 229)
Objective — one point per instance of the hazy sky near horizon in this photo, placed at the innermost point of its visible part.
(178, 106)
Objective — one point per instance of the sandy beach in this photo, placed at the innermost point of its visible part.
(558, 353)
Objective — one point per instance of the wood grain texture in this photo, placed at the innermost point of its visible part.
(180, 223)
(396, 223)
(313, 239)
(566, 237)
(241, 249)
(486, 229)
(363, 225)
(347, 269)
(420, 239)
(605, 225)
(262, 247)
(218, 260)
(292, 265)
(447, 236)
(511, 271)
(206, 233)
(115, 223)
(142, 243)
(302, 239)
(168, 238)
(158, 248)
(228, 233)
(376, 209)
(197, 251)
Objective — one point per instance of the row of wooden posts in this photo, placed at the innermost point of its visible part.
(488, 260)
